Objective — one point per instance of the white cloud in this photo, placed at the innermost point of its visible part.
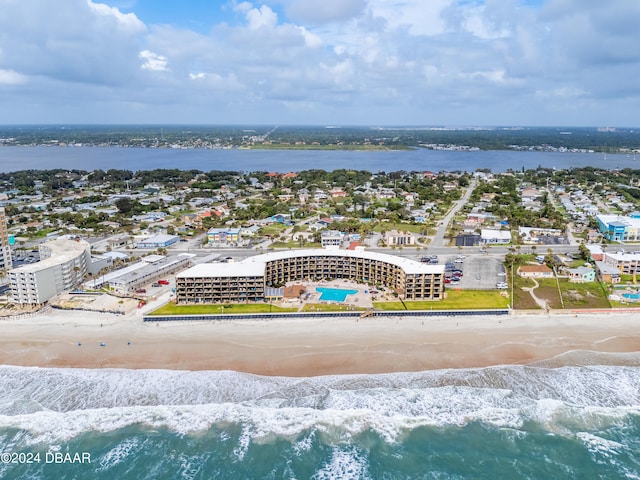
(262, 17)
(11, 77)
(333, 59)
(153, 61)
(127, 22)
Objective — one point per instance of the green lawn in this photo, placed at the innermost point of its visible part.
(583, 295)
(173, 309)
(456, 300)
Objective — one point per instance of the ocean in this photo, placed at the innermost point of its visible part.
(105, 158)
(577, 417)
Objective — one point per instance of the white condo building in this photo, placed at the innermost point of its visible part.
(62, 266)
(246, 281)
(5, 250)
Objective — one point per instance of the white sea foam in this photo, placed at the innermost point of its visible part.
(28, 390)
(65, 403)
(262, 424)
(346, 463)
(119, 453)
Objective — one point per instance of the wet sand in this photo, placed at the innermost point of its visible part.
(308, 347)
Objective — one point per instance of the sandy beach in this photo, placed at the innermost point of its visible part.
(296, 347)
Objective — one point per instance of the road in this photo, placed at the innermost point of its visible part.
(438, 240)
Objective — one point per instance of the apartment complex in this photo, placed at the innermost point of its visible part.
(246, 281)
(62, 266)
(6, 262)
(626, 262)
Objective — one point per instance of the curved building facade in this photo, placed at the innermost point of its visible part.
(245, 281)
(62, 266)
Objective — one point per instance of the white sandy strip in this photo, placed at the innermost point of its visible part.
(310, 346)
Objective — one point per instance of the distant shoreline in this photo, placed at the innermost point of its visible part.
(309, 347)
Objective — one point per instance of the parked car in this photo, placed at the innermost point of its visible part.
(155, 284)
(163, 282)
(141, 290)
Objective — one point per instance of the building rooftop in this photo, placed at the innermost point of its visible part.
(62, 250)
(255, 266)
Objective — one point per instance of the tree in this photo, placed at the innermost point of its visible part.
(125, 205)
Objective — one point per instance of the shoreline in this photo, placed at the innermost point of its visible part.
(311, 347)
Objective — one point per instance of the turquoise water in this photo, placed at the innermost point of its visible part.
(508, 422)
(334, 294)
(631, 295)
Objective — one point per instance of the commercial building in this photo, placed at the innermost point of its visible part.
(62, 266)
(158, 241)
(400, 238)
(223, 236)
(6, 262)
(149, 269)
(495, 237)
(247, 280)
(617, 228)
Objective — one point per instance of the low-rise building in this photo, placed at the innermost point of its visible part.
(535, 271)
(223, 236)
(617, 228)
(400, 238)
(626, 262)
(581, 274)
(331, 238)
(158, 241)
(495, 237)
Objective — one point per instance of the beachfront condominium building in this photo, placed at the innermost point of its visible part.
(62, 266)
(246, 281)
(627, 263)
(6, 262)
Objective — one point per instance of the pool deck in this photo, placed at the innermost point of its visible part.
(359, 299)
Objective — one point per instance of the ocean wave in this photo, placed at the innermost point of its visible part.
(440, 407)
(29, 390)
(50, 406)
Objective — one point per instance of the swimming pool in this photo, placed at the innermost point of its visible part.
(334, 294)
(634, 296)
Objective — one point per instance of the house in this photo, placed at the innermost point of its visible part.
(535, 271)
(608, 273)
(596, 252)
(530, 195)
(331, 238)
(582, 274)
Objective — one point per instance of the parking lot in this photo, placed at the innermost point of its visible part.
(479, 272)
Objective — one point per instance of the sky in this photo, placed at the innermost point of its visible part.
(321, 62)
